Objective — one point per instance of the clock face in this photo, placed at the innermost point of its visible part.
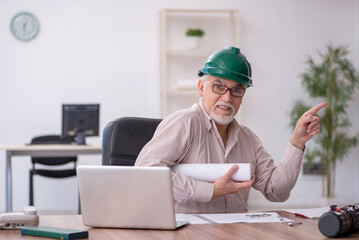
(24, 26)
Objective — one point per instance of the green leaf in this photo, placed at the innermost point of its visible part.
(333, 79)
(195, 32)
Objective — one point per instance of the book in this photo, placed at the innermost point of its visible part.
(53, 232)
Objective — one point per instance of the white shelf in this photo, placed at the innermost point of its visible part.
(186, 84)
(189, 52)
(183, 92)
(179, 64)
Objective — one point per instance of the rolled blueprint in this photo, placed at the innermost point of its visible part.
(212, 171)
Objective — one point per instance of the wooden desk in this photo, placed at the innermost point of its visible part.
(306, 231)
(48, 150)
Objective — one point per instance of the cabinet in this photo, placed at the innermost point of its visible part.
(179, 64)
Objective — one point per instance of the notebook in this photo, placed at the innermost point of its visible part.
(127, 197)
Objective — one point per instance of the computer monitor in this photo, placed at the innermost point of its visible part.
(80, 121)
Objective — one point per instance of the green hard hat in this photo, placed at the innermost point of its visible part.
(229, 63)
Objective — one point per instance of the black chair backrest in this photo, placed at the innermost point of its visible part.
(124, 138)
(52, 139)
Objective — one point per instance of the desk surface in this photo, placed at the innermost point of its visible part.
(30, 150)
(268, 231)
(46, 146)
(37, 150)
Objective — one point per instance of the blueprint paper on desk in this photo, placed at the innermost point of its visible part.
(232, 218)
(309, 212)
(191, 218)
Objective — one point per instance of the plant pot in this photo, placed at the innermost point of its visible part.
(193, 42)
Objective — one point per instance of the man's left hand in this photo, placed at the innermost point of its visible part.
(307, 126)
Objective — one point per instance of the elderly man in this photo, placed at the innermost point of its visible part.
(208, 133)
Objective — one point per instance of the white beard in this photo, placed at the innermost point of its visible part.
(222, 120)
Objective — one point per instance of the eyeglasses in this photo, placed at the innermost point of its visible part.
(221, 89)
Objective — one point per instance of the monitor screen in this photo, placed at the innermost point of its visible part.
(80, 120)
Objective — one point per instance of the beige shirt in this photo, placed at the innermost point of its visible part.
(191, 136)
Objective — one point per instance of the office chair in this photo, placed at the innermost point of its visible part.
(123, 139)
(50, 161)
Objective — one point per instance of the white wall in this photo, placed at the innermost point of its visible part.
(107, 52)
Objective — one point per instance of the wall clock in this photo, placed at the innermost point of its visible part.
(24, 26)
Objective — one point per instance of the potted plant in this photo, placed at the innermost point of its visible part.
(193, 37)
(334, 80)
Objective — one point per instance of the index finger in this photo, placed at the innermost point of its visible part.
(315, 109)
(232, 170)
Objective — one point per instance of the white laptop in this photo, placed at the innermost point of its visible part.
(127, 197)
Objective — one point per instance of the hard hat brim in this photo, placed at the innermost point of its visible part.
(238, 77)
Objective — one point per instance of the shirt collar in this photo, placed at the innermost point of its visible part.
(207, 120)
